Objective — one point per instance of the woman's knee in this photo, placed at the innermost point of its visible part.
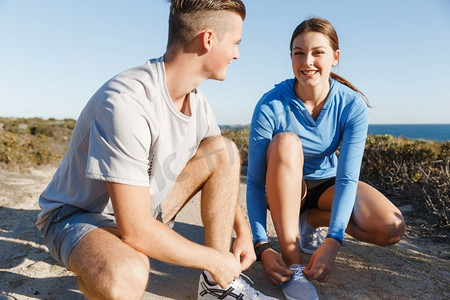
(377, 216)
(285, 146)
(389, 230)
(395, 229)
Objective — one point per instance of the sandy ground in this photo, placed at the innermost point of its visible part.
(411, 269)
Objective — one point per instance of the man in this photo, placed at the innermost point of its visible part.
(146, 142)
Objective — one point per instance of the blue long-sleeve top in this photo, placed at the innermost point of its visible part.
(343, 121)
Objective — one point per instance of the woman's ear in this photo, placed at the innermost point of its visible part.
(337, 53)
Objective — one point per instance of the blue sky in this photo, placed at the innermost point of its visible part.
(55, 54)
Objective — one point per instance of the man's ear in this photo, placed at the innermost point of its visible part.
(208, 39)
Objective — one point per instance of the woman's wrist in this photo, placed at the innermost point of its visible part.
(260, 248)
(333, 243)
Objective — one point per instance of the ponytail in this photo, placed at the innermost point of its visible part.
(347, 83)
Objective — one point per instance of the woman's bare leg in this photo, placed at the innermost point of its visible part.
(284, 192)
(374, 219)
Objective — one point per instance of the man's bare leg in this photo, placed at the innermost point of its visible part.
(214, 169)
(107, 268)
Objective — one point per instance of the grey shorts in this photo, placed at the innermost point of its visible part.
(68, 224)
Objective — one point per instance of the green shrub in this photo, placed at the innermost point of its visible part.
(409, 172)
(29, 142)
(240, 138)
(24, 150)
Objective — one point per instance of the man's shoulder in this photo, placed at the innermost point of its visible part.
(153, 68)
(139, 80)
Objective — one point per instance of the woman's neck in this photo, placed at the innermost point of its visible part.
(313, 97)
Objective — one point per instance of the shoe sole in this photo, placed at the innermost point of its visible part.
(290, 298)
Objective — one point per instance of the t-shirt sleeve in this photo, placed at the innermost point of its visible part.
(349, 165)
(119, 141)
(261, 131)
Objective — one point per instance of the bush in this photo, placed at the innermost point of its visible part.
(29, 142)
(24, 150)
(240, 138)
(409, 172)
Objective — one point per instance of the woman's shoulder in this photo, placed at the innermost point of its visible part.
(281, 92)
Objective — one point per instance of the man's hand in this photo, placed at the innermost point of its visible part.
(321, 263)
(243, 245)
(226, 270)
(244, 252)
(275, 268)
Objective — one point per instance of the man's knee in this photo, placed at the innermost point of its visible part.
(219, 152)
(131, 275)
(123, 278)
(109, 272)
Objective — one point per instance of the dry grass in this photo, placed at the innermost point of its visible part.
(30, 142)
(410, 172)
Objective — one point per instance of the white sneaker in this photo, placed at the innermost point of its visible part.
(238, 289)
(310, 238)
(299, 287)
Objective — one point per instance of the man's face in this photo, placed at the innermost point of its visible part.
(226, 49)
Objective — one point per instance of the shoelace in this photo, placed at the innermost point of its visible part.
(318, 235)
(298, 275)
(242, 284)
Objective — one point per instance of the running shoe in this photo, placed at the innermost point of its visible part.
(310, 238)
(299, 287)
(238, 289)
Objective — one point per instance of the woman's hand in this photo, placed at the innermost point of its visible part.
(321, 263)
(275, 268)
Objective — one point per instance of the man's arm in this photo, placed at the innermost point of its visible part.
(139, 230)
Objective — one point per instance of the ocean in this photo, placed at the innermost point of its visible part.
(437, 132)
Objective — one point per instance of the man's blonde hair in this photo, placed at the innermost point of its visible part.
(190, 17)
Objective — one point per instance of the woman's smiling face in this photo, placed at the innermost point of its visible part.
(312, 59)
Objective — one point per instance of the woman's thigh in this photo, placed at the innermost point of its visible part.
(373, 215)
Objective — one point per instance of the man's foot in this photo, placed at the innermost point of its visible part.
(299, 287)
(310, 238)
(238, 289)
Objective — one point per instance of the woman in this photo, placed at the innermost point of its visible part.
(294, 170)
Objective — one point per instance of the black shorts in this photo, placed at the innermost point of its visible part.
(315, 189)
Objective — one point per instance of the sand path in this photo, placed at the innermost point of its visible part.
(411, 269)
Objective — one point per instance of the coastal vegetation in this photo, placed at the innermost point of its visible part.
(414, 174)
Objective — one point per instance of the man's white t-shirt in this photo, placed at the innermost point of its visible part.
(129, 132)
